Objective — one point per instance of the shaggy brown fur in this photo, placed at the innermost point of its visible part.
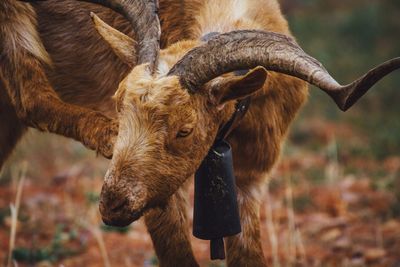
(30, 94)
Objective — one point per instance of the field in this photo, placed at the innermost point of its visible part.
(333, 199)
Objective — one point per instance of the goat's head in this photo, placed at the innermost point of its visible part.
(165, 130)
(169, 121)
(164, 133)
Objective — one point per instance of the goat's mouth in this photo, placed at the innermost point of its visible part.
(120, 216)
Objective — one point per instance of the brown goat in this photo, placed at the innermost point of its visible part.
(169, 117)
(169, 109)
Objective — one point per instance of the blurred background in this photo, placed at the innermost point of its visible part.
(333, 200)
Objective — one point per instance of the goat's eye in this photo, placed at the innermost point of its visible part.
(184, 132)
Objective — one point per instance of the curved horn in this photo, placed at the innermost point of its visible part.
(276, 52)
(143, 16)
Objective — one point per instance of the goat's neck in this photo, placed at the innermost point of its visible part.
(224, 16)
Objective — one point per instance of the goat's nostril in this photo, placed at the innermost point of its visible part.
(119, 204)
(113, 204)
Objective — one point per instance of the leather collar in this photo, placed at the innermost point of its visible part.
(241, 108)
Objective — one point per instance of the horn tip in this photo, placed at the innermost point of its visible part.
(93, 16)
(96, 20)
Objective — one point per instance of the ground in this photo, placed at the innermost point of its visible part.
(325, 205)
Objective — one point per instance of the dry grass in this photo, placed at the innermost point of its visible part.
(272, 233)
(14, 207)
(91, 224)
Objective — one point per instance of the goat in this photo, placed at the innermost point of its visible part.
(170, 112)
(170, 106)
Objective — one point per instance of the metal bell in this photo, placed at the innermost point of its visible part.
(216, 213)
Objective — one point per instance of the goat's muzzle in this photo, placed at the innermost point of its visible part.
(120, 208)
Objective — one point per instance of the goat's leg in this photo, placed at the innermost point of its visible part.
(11, 130)
(37, 105)
(244, 249)
(22, 58)
(169, 231)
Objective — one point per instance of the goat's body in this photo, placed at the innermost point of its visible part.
(86, 73)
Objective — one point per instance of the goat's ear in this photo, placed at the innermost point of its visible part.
(231, 88)
(122, 45)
